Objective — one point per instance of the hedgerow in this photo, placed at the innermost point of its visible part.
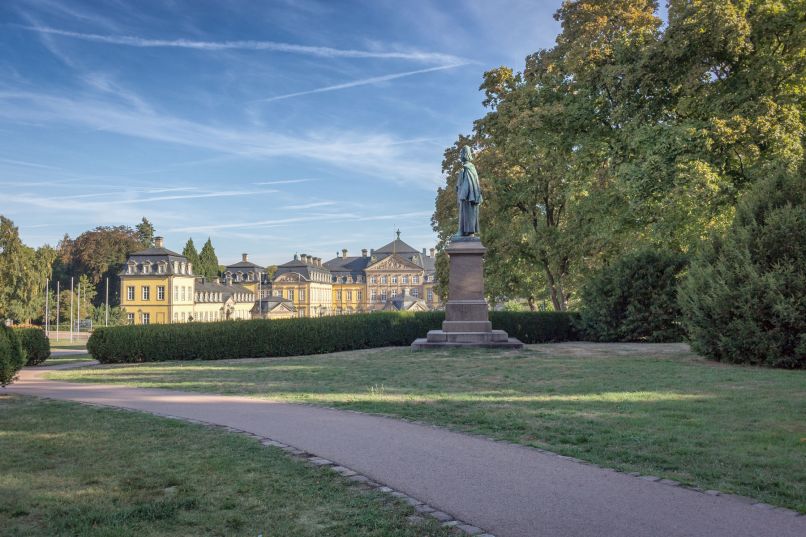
(295, 337)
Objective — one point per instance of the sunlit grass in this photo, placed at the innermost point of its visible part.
(655, 409)
(72, 470)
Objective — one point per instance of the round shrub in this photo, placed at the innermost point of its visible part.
(12, 357)
(744, 297)
(634, 299)
(35, 344)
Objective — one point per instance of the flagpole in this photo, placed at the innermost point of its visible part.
(47, 306)
(58, 307)
(78, 309)
(71, 309)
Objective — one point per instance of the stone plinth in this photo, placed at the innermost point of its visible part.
(467, 323)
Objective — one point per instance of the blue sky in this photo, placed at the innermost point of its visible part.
(272, 127)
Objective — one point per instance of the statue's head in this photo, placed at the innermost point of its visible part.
(466, 154)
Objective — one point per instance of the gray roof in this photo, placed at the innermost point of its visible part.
(227, 291)
(303, 268)
(157, 252)
(245, 265)
(397, 246)
(403, 302)
(154, 255)
(348, 266)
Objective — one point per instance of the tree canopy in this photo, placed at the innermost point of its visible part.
(629, 134)
(23, 275)
(208, 261)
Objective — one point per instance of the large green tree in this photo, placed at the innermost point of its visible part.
(99, 254)
(626, 134)
(208, 262)
(145, 232)
(191, 254)
(23, 275)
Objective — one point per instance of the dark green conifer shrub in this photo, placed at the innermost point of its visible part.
(35, 344)
(12, 356)
(634, 299)
(744, 297)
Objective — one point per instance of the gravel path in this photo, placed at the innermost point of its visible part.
(509, 490)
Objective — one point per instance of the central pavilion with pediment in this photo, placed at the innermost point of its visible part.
(393, 277)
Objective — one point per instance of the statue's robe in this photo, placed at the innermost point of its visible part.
(468, 192)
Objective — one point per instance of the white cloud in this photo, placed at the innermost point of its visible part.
(279, 222)
(371, 154)
(271, 46)
(283, 182)
(311, 205)
(362, 82)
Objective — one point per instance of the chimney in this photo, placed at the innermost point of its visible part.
(319, 261)
(433, 250)
(344, 252)
(296, 257)
(424, 254)
(158, 242)
(303, 258)
(245, 257)
(364, 252)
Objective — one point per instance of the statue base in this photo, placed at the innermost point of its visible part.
(466, 322)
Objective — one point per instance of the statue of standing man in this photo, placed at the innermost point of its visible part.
(468, 192)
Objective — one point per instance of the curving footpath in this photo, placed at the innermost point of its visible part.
(509, 490)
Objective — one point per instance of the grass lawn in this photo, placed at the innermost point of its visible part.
(69, 359)
(654, 409)
(68, 469)
(65, 344)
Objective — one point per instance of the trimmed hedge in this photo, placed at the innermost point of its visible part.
(35, 344)
(12, 356)
(295, 337)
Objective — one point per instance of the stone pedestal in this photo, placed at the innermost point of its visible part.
(466, 318)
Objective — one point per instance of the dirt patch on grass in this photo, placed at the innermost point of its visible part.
(604, 350)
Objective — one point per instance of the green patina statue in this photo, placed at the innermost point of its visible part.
(468, 192)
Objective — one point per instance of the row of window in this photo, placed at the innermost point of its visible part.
(147, 267)
(359, 295)
(403, 279)
(145, 293)
(376, 296)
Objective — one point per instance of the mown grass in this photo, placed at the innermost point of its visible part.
(66, 359)
(68, 469)
(66, 344)
(654, 409)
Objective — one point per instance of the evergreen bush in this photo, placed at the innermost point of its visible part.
(35, 344)
(744, 297)
(634, 299)
(12, 356)
(294, 337)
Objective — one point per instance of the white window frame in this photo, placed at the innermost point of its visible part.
(145, 292)
(130, 293)
(160, 292)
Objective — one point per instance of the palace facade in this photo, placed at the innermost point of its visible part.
(159, 286)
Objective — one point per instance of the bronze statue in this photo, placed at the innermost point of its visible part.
(468, 192)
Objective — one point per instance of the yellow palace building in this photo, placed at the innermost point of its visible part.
(158, 286)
